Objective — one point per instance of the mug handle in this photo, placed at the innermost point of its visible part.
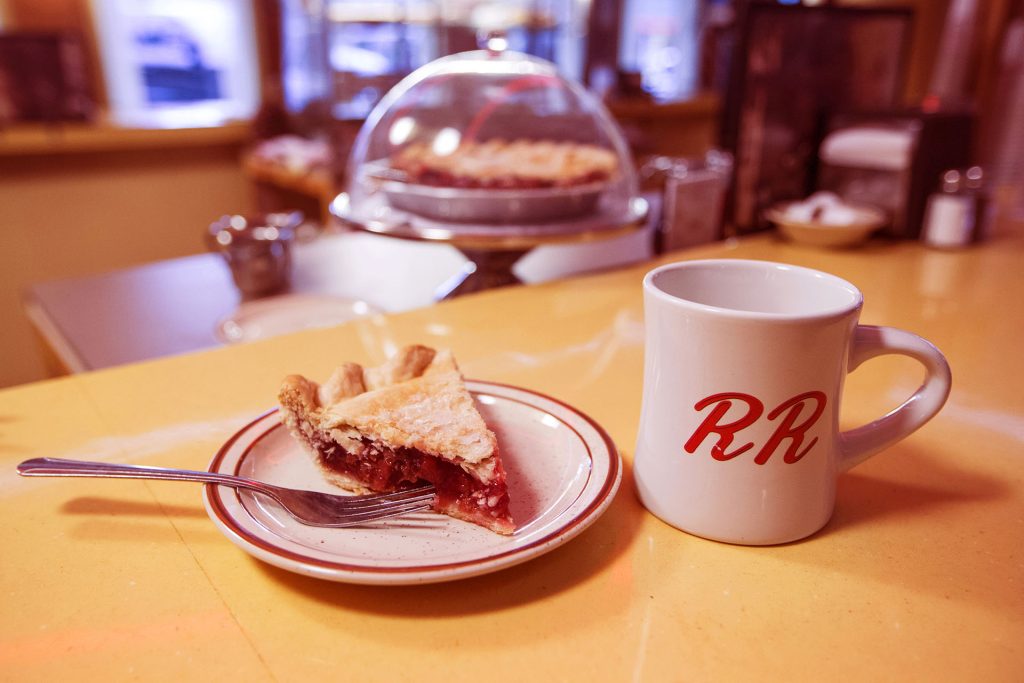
(857, 445)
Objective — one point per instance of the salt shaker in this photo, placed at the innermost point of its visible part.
(953, 215)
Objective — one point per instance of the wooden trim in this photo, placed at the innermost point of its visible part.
(701, 104)
(57, 354)
(26, 139)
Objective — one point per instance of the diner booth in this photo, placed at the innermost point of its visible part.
(609, 293)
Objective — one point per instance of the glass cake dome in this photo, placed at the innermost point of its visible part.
(489, 138)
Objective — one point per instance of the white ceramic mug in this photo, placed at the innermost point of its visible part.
(744, 366)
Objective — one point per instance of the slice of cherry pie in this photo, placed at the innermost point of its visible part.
(409, 420)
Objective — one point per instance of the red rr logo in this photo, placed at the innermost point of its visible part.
(790, 410)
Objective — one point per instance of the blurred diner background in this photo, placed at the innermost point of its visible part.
(170, 170)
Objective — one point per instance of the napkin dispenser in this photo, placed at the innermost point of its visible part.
(892, 162)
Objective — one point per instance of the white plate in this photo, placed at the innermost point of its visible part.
(563, 471)
(271, 316)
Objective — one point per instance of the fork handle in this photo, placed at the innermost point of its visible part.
(59, 467)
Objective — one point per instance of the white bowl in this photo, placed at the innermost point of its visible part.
(869, 219)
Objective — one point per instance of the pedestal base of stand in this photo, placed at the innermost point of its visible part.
(492, 250)
(485, 270)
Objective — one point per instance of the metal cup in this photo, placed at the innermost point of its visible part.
(257, 249)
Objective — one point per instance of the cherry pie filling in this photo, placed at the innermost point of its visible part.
(381, 469)
(439, 178)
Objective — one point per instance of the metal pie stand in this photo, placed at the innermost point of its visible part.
(491, 249)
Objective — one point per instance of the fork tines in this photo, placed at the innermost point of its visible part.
(384, 506)
(383, 500)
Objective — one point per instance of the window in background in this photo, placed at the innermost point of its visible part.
(302, 59)
(660, 42)
(178, 63)
(373, 45)
(554, 30)
(367, 46)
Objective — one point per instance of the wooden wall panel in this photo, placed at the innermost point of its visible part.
(67, 215)
(61, 15)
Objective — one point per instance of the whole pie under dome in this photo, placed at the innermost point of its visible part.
(489, 136)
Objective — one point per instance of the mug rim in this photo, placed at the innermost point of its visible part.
(824, 314)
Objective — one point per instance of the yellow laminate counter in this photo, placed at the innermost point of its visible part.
(919, 575)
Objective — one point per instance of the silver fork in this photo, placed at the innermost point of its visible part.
(308, 507)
